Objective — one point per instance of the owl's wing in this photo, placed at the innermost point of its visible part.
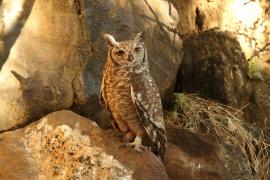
(102, 96)
(145, 96)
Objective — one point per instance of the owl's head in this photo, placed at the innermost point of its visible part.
(128, 52)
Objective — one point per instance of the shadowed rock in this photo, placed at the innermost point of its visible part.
(60, 53)
(203, 157)
(214, 66)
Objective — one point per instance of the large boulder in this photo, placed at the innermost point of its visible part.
(204, 157)
(57, 58)
(214, 66)
(123, 19)
(66, 145)
(63, 145)
(43, 64)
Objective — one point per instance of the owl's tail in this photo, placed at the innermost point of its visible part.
(158, 139)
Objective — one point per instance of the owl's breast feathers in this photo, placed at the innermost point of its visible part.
(146, 97)
(115, 92)
(115, 85)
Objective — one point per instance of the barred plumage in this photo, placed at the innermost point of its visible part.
(131, 96)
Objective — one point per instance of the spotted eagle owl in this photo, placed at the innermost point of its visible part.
(132, 97)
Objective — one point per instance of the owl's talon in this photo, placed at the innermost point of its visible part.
(136, 149)
(137, 145)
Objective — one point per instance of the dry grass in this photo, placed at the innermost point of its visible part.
(197, 114)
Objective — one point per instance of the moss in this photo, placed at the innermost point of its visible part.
(254, 70)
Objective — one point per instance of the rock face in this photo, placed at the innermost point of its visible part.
(58, 56)
(209, 13)
(203, 157)
(214, 66)
(45, 63)
(259, 110)
(14, 160)
(64, 145)
(123, 19)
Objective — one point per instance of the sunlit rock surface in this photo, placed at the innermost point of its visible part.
(64, 145)
(45, 62)
(248, 20)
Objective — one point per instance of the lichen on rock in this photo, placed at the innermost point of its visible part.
(64, 153)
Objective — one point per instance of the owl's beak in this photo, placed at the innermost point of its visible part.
(130, 57)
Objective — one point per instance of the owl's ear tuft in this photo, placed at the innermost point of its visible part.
(110, 40)
(139, 37)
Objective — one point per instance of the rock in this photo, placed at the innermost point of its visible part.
(225, 14)
(214, 67)
(210, 11)
(43, 64)
(123, 19)
(65, 145)
(12, 18)
(258, 112)
(15, 162)
(200, 156)
(58, 55)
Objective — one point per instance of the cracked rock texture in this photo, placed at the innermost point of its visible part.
(65, 153)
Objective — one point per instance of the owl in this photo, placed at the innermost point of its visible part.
(132, 97)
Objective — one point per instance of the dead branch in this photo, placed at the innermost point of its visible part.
(248, 2)
(260, 50)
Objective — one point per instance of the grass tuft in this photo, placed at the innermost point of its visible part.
(197, 114)
(254, 70)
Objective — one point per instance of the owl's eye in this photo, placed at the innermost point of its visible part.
(120, 53)
(137, 49)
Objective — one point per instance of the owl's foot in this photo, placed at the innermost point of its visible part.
(137, 145)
